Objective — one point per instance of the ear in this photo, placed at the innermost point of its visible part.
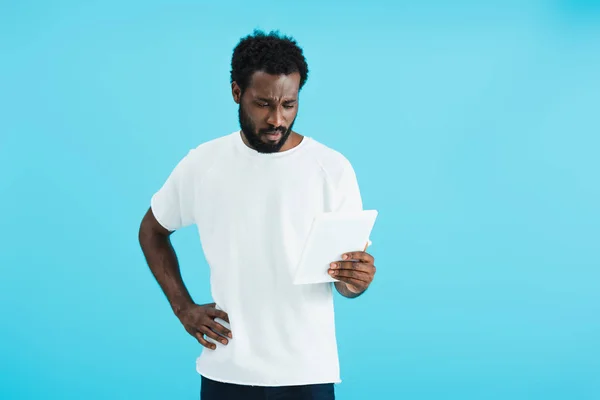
(236, 92)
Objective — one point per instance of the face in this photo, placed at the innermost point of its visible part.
(268, 110)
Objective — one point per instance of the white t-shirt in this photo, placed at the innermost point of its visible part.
(253, 212)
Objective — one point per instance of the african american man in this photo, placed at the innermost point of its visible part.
(252, 195)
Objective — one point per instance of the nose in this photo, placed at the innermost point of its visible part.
(276, 117)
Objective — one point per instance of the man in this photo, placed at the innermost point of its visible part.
(253, 195)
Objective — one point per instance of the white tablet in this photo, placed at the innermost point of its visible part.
(331, 235)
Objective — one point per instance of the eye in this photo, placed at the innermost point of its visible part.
(288, 106)
(262, 104)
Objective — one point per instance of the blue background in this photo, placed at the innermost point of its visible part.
(474, 130)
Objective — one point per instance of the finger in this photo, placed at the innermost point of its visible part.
(215, 326)
(215, 313)
(204, 342)
(213, 335)
(359, 256)
(344, 275)
(352, 265)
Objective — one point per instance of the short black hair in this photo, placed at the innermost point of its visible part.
(272, 53)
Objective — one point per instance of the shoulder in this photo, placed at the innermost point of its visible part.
(204, 155)
(211, 148)
(198, 160)
(333, 163)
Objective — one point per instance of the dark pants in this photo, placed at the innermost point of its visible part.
(212, 390)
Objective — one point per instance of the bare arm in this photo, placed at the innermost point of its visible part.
(162, 260)
(198, 320)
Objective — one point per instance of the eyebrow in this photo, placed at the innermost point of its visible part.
(266, 100)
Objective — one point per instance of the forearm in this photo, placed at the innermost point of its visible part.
(342, 289)
(163, 263)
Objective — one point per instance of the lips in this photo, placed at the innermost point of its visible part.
(273, 135)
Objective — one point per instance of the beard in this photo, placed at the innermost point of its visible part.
(255, 136)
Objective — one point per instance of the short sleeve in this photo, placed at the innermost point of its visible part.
(173, 204)
(348, 192)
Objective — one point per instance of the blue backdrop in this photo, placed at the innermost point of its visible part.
(474, 130)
